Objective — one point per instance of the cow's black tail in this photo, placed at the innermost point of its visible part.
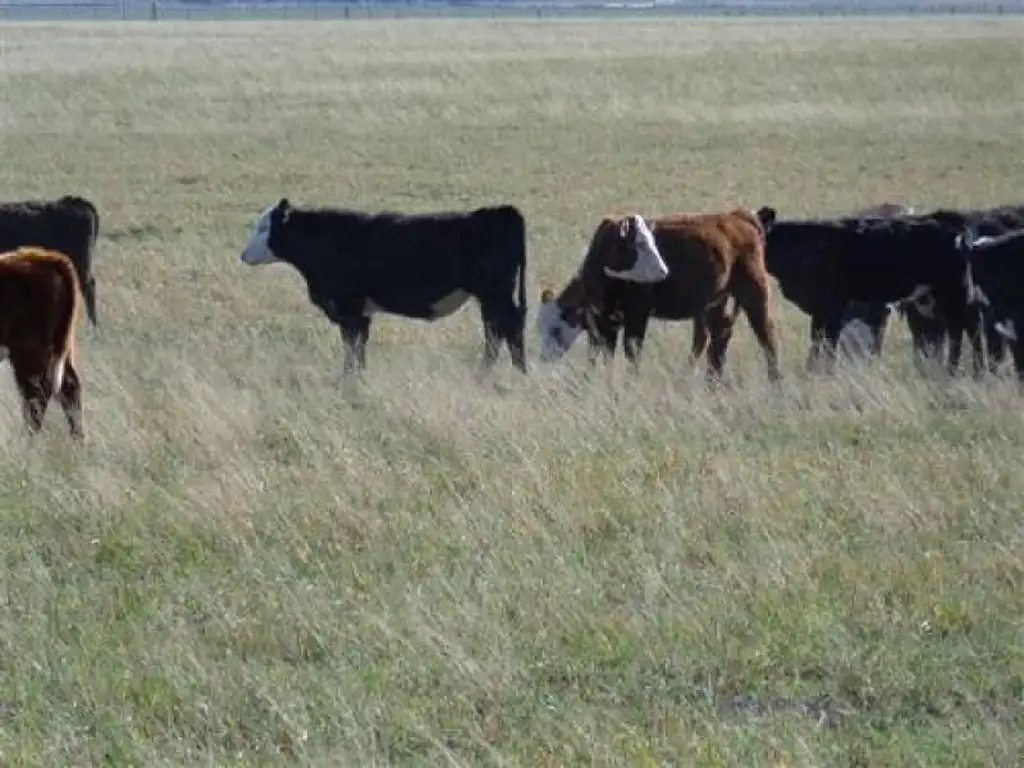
(513, 228)
(86, 210)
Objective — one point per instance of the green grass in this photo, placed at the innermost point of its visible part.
(246, 566)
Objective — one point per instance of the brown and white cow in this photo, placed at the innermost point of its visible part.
(673, 267)
(40, 307)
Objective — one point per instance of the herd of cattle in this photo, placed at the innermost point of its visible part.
(948, 272)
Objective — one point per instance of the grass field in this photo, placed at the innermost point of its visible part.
(246, 566)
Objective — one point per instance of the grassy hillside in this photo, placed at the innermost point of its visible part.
(246, 565)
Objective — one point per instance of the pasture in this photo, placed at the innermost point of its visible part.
(246, 565)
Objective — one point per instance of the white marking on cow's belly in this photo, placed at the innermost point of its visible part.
(449, 304)
(4, 353)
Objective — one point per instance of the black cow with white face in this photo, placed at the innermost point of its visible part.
(825, 265)
(423, 266)
(997, 274)
(69, 224)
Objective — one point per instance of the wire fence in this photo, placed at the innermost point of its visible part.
(30, 10)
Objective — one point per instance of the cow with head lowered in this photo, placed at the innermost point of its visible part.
(423, 266)
(68, 225)
(673, 267)
(931, 335)
(825, 265)
(928, 329)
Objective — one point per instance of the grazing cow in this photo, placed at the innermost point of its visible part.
(997, 273)
(40, 305)
(423, 266)
(673, 267)
(931, 335)
(824, 265)
(927, 329)
(68, 225)
(874, 318)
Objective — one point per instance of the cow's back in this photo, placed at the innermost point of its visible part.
(69, 225)
(407, 262)
(704, 253)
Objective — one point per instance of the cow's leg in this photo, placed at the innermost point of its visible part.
(32, 375)
(975, 327)
(515, 332)
(876, 318)
(1016, 346)
(701, 337)
(878, 325)
(719, 322)
(503, 321)
(814, 354)
(956, 341)
(355, 332)
(824, 340)
(754, 299)
(971, 325)
(925, 349)
(996, 343)
(498, 325)
(70, 398)
(928, 335)
(603, 338)
(961, 319)
(634, 329)
(89, 294)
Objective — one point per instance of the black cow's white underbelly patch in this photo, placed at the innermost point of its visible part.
(449, 304)
(438, 310)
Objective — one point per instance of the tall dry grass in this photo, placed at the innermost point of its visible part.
(246, 565)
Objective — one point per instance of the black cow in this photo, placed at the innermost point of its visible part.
(423, 266)
(69, 224)
(928, 329)
(997, 273)
(874, 317)
(824, 265)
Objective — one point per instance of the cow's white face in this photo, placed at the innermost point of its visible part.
(257, 250)
(649, 266)
(556, 335)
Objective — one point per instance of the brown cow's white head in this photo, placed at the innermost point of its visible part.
(560, 320)
(621, 249)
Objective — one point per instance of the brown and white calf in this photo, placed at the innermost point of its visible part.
(673, 267)
(40, 307)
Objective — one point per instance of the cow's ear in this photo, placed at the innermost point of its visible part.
(283, 210)
(546, 295)
(767, 215)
